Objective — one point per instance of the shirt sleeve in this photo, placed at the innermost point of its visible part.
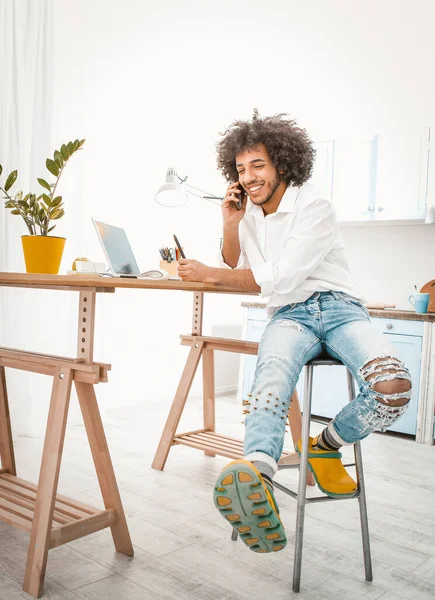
(242, 263)
(309, 241)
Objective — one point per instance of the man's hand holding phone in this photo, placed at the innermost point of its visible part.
(234, 205)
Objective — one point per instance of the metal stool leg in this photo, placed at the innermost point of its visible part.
(234, 535)
(300, 516)
(362, 494)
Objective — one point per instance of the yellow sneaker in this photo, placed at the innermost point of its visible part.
(328, 470)
(248, 504)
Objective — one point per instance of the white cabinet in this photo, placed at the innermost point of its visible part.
(381, 178)
(402, 175)
(329, 383)
(406, 337)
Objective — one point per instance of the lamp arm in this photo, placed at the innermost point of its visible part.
(203, 194)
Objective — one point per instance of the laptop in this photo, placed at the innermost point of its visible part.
(120, 255)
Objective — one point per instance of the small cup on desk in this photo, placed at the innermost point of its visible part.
(420, 302)
(169, 267)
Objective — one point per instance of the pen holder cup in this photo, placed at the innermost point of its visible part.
(169, 267)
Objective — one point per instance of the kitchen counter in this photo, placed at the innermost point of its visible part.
(390, 313)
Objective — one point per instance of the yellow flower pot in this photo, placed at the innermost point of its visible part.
(42, 253)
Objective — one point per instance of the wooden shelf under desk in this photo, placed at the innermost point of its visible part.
(71, 519)
(217, 443)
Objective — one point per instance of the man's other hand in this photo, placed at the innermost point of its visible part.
(192, 270)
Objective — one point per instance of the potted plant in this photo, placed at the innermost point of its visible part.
(42, 252)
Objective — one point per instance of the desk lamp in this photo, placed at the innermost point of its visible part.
(174, 191)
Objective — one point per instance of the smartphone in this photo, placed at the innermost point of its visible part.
(241, 194)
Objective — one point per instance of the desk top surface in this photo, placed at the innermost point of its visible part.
(108, 284)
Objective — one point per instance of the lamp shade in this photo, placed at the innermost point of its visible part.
(171, 193)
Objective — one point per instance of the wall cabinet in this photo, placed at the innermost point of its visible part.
(329, 385)
(382, 178)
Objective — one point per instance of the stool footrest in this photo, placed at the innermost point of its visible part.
(293, 494)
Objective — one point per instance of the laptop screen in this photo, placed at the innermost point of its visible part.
(117, 248)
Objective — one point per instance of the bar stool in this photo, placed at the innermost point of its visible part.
(300, 496)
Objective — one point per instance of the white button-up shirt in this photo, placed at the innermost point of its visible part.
(295, 251)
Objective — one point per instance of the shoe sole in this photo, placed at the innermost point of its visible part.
(244, 501)
(322, 489)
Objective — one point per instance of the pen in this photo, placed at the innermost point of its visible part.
(179, 247)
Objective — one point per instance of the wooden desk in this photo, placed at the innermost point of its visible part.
(52, 519)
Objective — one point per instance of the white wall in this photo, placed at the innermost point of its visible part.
(151, 84)
(388, 261)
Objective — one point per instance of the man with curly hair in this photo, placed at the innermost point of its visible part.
(282, 240)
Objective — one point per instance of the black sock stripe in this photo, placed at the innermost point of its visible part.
(328, 440)
(267, 479)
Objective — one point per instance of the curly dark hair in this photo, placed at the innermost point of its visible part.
(289, 146)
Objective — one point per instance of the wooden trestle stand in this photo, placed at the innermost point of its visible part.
(52, 519)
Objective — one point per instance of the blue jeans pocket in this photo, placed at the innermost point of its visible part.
(353, 302)
(285, 309)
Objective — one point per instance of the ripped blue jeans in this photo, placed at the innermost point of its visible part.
(338, 325)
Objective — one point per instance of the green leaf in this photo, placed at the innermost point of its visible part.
(1, 169)
(70, 147)
(76, 144)
(57, 214)
(15, 212)
(52, 167)
(56, 201)
(41, 214)
(11, 180)
(65, 152)
(58, 158)
(51, 228)
(46, 200)
(44, 184)
(82, 143)
(9, 205)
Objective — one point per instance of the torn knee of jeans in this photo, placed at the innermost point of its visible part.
(381, 417)
(289, 323)
(388, 381)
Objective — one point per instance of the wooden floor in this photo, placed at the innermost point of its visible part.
(183, 547)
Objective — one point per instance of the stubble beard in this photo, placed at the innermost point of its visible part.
(274, 186)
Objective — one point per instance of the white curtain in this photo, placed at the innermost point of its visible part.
(25, 106)
(26, 52)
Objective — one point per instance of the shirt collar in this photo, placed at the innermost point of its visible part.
(285, 206)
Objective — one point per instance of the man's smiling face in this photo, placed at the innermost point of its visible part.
(260, 178)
